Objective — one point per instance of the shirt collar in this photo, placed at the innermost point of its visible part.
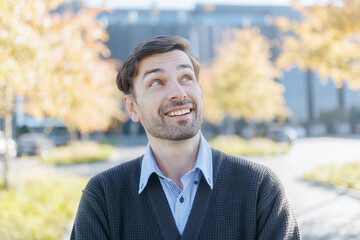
(203, 162)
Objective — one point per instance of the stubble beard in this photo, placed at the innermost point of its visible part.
(185, 129)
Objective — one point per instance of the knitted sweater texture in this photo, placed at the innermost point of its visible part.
(247, 202)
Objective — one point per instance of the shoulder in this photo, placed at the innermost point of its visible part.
(122, 175)
(227, 163)
(243, 173)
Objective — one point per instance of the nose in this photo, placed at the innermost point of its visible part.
(176, 91)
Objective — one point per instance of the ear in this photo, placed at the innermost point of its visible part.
(132, 108)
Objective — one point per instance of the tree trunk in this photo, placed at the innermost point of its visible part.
(310, 95)
(341, 98)
(85, 136)
(7, 132)
(73, 135)
(228, 127)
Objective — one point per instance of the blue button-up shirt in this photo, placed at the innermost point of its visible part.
(180, 201)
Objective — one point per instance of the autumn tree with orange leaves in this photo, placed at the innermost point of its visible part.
(326, 39)
(79, 81)
(56, 62)
(241, 80)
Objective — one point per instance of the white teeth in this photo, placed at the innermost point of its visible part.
(178, 113)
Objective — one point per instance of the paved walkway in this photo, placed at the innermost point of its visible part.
(323, 212)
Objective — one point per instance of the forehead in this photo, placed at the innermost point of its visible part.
(163, 60)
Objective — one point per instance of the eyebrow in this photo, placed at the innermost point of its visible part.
(182, 66)
(154, 70)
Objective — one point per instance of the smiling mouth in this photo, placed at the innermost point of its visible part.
(179, 112)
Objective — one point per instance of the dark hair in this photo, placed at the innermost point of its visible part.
(159, 44)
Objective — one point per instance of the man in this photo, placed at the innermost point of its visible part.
(180, 188)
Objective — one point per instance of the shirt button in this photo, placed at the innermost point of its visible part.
(181, 199)
(196, 182)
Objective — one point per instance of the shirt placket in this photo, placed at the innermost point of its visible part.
(183, 201)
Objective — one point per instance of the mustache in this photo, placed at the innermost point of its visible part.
(172, 104)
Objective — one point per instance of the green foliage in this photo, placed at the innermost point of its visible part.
(347, 175)
(258, 146)
(39, 208)
(80, 152)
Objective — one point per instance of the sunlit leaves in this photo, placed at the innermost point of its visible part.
(56, 61)
(327, 39)
(80, 83)
(241, 82)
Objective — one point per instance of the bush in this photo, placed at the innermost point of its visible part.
(346, 175)
(39, 208)
(79, 152)
(258, 146)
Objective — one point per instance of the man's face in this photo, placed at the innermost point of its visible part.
(169, 101)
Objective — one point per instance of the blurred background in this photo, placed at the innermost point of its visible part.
(281, 83)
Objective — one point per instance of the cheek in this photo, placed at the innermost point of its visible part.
(197, 94)
(150, 105)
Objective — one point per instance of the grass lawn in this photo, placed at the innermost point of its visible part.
(258, 146)
(346, 175)
(79, 152)
(39, 207)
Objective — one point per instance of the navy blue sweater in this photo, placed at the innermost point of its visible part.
(247, 202)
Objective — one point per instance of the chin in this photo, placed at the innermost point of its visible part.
(182, 137)
(174, 135)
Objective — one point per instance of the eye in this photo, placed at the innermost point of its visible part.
(155, 83)
(186, 78)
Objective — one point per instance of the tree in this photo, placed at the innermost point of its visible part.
(55, 60)
(327, 40)
(18, 46)
(242, 80)
(81, 80)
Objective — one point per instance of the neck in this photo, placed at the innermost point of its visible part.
(175, 158)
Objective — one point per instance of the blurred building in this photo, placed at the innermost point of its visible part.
(204, 26)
